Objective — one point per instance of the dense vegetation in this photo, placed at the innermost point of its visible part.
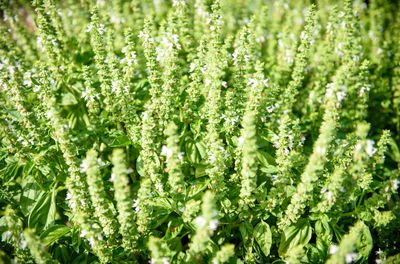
(199, 131)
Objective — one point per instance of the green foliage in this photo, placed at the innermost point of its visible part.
(194, 131)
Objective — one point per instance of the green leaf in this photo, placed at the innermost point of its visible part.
(265, 158)
(68, 99)
(263, 236)
(298, 234)
(120, 141)
(323, 230)
(269, 169)
(140, 166)
(53, 233)
(44, 212)
(197, 186)
(365, 243)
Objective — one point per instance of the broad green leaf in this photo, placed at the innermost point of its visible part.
(270, 169)
(197, 186)
(44, 212)
(140, 166)
(175, 226)
(53, 233)
(364, 243)
(323, 230)
(120, 141)
(263, 236)
(298, 234)
(246, 230)
(192, 152)
(265, 158)
(68, 99)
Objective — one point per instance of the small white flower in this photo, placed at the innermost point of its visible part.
(358, 147)
(333, 249)
(340, 96)
(181, 209)
(180, 155)
(112, 178)
(101, 29)
(91, 241)
(252, 82)
(166, 151)
(84, 166)
(370, 148)
(165, 260)
(83, 233)
(159, 187)
(200, 221)
(89, 28)
(144, 114)
(350, 257)
(8, 235)
(329, 195)
(328, 93)
(213, 224)
(224, 84)
(23, 244)
(192, 67)
(396, 184)
(240, 141)
(129, 171)
(379, 251)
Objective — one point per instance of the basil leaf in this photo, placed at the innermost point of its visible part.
(263, 236)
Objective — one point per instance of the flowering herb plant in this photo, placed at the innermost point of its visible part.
(199, 131)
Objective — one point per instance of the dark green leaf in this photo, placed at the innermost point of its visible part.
(53, 233)
(298, 234)
(263, 236)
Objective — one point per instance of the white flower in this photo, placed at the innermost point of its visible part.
(213, 224)
(224, 84)
(83, 233)
(8, 235)
(240, 141)
(112, 178)
(23, 244)
(180, 155)
(192, 67)
(91, 241)
(379, 251)
(165, 260)
(252, 82)
(200, 221)
(370, 148)
(340, 96)
(396, 184)
(358, 147)
(320, 150)
(159, 187)
(329, 93)
(329, 195)
(90, 26)
(333, 249)
(181, 209)
(84, 166)
(350, 257)
(129, 171)
(166, 151)
(101, 29)
(144, 114)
